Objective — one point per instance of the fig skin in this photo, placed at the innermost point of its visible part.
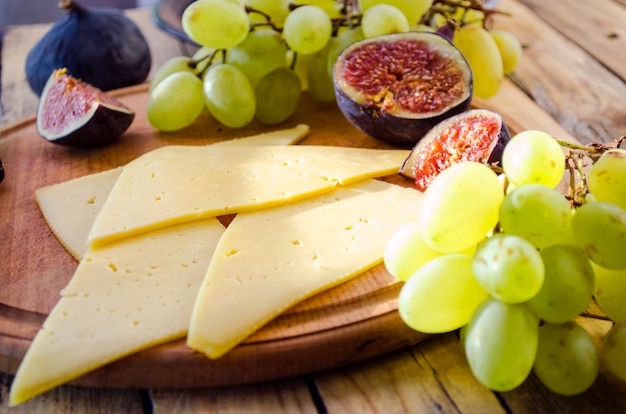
(464, 146)
(404, 127)
(103, 121)
(100, 45)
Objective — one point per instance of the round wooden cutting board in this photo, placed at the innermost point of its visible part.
(351, 322)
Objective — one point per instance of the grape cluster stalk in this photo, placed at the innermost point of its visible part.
(500, 254)
(256, 57)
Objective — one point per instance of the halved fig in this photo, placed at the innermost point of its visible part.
(474, 135)
(398, 86)
(74, 113)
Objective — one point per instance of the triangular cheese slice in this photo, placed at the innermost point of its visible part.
(290, 136)
(175, 184)
(123, 298)
(84, 196)
(269, 260)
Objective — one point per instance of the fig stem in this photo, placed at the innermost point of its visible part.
(69, 5)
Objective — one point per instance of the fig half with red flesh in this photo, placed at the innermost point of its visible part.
(396, 87)
(74, 113)
(474, 135)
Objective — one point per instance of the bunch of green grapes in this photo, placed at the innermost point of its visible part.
(258, 56)
(511, 262)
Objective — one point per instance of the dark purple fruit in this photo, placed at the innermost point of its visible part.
(99, 45)
(74, 113)
(396, 87)
(474, 135)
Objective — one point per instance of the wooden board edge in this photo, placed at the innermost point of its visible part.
(295, 356)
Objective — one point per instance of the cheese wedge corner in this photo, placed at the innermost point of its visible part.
(123, 298)
(298, 250)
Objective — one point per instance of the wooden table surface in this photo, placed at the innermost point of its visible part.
(571, 82)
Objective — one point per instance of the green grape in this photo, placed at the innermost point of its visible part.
(501, 343)
(610, 292)
(567, 286)
(319, 81)
(441, 296)
(331, 7)
(421, 28)
(406, 252)
(614, 350)
(382, 19)
(460, 207)
(483, 56)
(203, 60)
(218, 24)
(567, 361)
(510, 49)
(533, 157)
(509, 268)
(599, 229)
(277, 95)
(175, 102)
(170, 66)
(413, 10)
(461, 15)
(301, 66)
(538, 213)
(307, 29)
(229, 96)
(260, 53)
(276, 9)
(337, 44)
(607, 177)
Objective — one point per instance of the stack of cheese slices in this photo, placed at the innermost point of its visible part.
(156, 264)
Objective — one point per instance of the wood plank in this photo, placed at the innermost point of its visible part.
(433, 377)
(289, 396)
(601, 33)
(578, 91)
(76, 400)
(18, 101)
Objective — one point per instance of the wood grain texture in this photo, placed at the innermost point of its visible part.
(285, 396)
(69, 399)
(430, 378)
(601, 33)
(575, 88)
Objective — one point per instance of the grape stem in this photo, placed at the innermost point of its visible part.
(268, 20)
(448, 9)
(209, 57)
(577, 159)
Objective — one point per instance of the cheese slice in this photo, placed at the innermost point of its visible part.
(290, 136)
(269, 260)
(71, 207)
(175, 184)
(123, 298)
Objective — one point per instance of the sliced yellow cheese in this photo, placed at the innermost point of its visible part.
(269, 260)
(123, 298)
(175, 184)
(71, 207)
(288, 136)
